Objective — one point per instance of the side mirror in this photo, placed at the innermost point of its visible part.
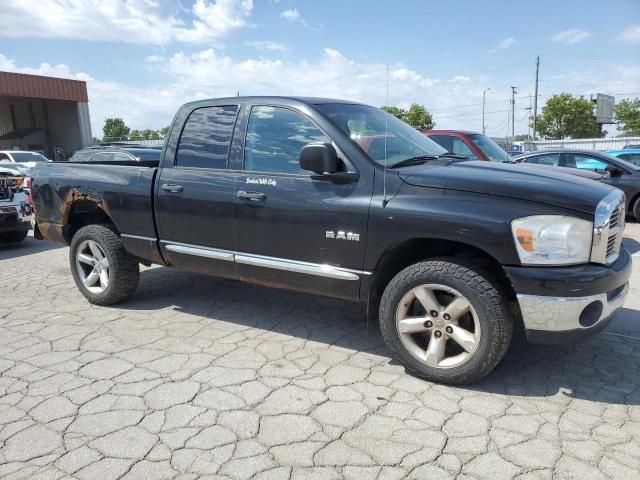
(613, 170)
(319, 158)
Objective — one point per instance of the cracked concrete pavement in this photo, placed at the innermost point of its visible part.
(197, 377)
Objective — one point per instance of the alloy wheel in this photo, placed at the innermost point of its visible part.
(93, 266)
(438, 325)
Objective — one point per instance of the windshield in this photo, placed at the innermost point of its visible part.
(490, 148)
(383, 137)
(24, 170)
(28, 157)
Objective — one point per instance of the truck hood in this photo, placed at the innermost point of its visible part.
(511, 181)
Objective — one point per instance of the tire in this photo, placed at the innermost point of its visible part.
(15, 237)
(438, 282)
(105, 247)
(636, 209)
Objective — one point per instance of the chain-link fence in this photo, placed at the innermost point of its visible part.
(599, 144)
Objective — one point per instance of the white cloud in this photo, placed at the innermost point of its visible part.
(293, 15)
(569, 37)
(135, 21)
(267, 45)
(331, 75)
(154, 59)
(506, 43)
(456, 102)
(631, 34)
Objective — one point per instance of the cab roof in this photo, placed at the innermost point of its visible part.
(273, 99)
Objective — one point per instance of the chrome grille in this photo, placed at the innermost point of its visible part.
(614, 218)
(608, 227)
(616, 229)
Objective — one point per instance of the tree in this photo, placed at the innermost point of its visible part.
(395, 111)
(164, 131)
(566, 116)
(627, 114)
(135, 135)
(417, 116)
(148, 134)
(115, 129)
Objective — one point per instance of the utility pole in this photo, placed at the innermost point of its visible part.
(535, 99)
(513, 112)
(529, 119)
(484, 93)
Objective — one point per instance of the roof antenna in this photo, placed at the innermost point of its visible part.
(386, 129)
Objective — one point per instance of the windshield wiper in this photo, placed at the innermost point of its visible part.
(419, 160)
(454, 155)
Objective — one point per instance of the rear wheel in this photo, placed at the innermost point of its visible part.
(448, 322)
(103, 271)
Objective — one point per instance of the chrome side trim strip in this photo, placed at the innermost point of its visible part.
(138, 237)
(201, 252)
(319, 270)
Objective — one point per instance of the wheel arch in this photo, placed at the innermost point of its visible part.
(85, 212)
(397, 257)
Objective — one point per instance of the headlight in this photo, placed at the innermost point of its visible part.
(552, 240)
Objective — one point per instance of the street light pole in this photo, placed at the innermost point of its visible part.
(484, 93)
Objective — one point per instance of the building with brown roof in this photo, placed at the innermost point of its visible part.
(45, 114)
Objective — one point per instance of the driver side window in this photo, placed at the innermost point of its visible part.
(275, 137)
(586, 162)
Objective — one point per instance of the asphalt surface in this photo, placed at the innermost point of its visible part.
(197, 377)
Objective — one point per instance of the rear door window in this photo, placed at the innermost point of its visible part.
(206, 137)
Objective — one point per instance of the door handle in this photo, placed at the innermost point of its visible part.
(168, 187)
(252, 196)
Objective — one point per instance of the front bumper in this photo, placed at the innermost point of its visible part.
(568, 304)
(14, 218)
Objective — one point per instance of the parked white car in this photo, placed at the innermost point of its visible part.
(29, 159)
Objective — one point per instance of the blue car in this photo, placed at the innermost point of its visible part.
(631, 155)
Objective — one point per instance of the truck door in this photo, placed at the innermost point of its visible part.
(194, 194)
(292, 230)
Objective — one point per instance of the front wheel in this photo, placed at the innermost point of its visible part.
(102, 269)
(446, 321)
(636, 209)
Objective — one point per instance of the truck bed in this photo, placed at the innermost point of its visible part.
(123, 192)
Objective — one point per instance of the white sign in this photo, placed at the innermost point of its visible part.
(604, 108)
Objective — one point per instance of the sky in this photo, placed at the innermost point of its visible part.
(142, 59)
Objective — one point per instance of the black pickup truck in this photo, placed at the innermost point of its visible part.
(340, 199)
